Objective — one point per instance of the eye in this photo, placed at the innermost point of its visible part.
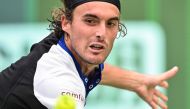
(112, 24)
(90, 21)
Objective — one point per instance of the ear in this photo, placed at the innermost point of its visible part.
(65, 24)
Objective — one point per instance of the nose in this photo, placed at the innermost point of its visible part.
(101, 32)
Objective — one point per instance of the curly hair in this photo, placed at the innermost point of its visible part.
(57, 13)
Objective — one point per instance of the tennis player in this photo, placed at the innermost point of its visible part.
(70, 61)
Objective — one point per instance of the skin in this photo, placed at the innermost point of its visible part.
(143, 85)
(91, 33)
(90, 37)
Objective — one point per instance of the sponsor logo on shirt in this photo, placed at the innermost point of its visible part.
(75, 95)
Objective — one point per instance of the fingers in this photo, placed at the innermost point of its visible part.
(164, 84)
(155, 98)
(169, 74)
(159, 100)
(153, 105)
(159, 103)
(160, 95)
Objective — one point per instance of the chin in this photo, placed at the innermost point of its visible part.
(94, 59)
(97, 61)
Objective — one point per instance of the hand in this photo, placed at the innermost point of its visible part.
(148, 92)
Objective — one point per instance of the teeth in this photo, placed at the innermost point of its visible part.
(97, 46)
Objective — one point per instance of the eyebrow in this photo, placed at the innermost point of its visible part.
(114, 18)
(91, 15)
(94, 16)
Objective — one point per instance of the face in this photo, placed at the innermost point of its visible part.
(92, 31)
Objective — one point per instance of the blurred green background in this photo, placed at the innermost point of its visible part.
(172, 15)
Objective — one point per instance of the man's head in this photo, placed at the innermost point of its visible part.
(90, 28)
(92, 31)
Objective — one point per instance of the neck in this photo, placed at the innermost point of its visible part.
(87, 68)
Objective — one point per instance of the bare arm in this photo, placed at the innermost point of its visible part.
(120, 78)
(143, 85)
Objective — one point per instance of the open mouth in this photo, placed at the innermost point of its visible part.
(96, 47)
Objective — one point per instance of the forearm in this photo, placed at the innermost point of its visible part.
(120, 78)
